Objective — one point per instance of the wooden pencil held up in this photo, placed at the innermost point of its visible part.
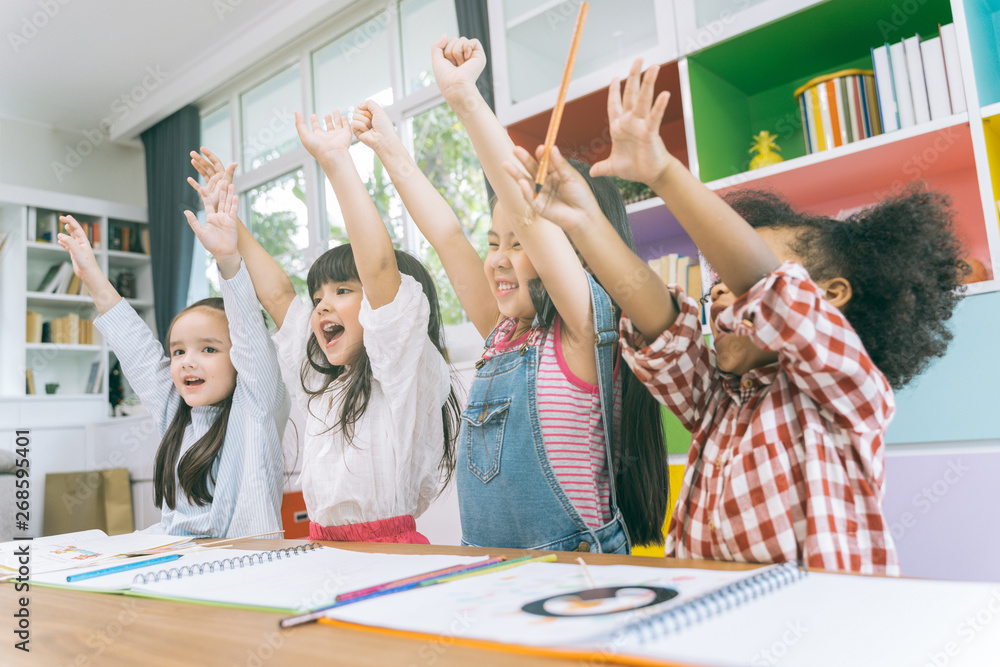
(557, 110)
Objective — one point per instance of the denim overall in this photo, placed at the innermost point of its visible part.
(508, 494)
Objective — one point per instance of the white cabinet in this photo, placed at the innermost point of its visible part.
(531, 40)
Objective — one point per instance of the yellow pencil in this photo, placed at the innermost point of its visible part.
(548, 558)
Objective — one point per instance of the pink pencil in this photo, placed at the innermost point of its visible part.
(454, 569)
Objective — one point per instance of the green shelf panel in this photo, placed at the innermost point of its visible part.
(747, 84)
(678, 438)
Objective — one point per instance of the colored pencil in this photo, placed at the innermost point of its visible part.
(420, 577)
(557, 110)
(524, 560)
(122, 568)
(483, 568)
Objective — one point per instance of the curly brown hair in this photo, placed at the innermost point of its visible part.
(902, 259)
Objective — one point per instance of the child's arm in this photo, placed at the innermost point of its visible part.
(141, 355)
(568, 201)
(85, 266)
(638, 153)
(252, 352)
(457, 64)
(271, 284)
(370, 241)
(432, 215)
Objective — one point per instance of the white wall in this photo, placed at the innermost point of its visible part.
(69, 162)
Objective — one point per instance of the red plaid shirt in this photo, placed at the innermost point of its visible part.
(786, 461)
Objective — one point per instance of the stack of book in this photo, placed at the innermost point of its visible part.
(70, 329)
(129, 238)
(60, 279)
(919, 81)
(47, 228)
(675, 269)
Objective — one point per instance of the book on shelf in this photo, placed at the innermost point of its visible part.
(34, 323)
(144, 240)
(937, 80)
(53, 277)
(95, 380)
(918, 82)
(677, 269)
(952, 67)
(29, 381)
(901, 83)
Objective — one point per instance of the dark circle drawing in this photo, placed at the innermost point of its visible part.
(600, 601)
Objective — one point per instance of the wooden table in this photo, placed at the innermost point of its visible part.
(82, 629)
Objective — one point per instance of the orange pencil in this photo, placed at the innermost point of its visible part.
(557, 111)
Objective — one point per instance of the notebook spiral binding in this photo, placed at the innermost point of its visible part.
(713, 603)
(224, 564)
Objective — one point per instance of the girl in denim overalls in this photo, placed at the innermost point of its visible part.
(541, 313)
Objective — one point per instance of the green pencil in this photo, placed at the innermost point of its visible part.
(524, 560)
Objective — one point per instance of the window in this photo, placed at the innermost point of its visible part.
(275, 213)
(444, 153)
(268, 114)
(421, 23)
(353, 68)
(286, 201)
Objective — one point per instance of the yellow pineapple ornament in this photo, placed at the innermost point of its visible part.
(763, 144)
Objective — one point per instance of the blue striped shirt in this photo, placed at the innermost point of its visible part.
(248, 471)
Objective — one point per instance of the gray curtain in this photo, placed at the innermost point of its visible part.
(168, 164)
(474, 23)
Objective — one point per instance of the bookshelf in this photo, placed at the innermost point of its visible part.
(47, 321)
(732, 69)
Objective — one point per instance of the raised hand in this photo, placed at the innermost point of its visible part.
(566, 199)
(637, 151)
(221, 230)
(371, 125)
(85, 265)
(324, 144)
(75, 242)
(457, 64)
(211, 169)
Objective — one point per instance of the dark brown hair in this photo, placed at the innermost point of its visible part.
(194, 472)
(337, 265)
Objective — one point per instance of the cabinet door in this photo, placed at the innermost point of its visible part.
(701, 23)
(531, 42)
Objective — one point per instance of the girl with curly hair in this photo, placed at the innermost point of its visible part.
(815, 321)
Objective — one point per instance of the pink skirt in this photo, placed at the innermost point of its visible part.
(398, 529)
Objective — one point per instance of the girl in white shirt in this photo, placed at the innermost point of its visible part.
(364, 363)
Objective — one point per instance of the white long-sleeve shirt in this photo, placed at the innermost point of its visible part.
(246, 496)
(391, 467)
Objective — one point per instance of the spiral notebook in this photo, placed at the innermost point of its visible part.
(289, 580)
(777, 615)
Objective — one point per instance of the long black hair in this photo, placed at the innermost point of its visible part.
(195, 470)
(902, 259)
(337, 265)
(642, 480)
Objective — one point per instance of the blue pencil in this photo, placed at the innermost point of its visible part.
(122, 568)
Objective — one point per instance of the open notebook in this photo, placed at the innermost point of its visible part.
(289, 580)
(73, 550)
(777, 615)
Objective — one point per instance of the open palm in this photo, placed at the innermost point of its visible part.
(220, 233)
(637, 150)
(323, 143)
